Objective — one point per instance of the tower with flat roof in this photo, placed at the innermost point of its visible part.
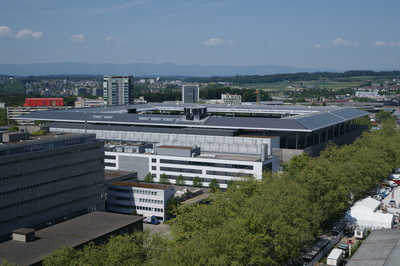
(118, 90)
(190, 94)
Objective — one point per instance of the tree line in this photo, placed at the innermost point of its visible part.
(258, 221)
(302, 76)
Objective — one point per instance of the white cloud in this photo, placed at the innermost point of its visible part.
(109, 39)
(232, 42)
(213, 41)
(379, 43)
(317, 46)
(77, 38)
(24, 34)
(341, 42)
(394, 43)
(5, 31)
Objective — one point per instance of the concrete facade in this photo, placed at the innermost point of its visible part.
(208, 166)
(145, 199)
(49, 178)
(231, 99)
(190, 94)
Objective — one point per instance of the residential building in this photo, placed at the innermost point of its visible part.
(231, 99)
(190, 94)
(49, 178)
(95, 227)
(142, 198)
(117, 90)
(97, 92)
(80, 91)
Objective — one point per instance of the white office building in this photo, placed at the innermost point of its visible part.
(145, 199)
(188, 162)
(231, 99)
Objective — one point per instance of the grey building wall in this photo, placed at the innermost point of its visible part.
(40, 186)
(190, 94)
(137, 164)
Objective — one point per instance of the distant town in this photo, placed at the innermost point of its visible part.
(286, 169)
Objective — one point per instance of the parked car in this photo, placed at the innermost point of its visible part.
(392, 203)
(388, 190)
(348, 231)
(151, 219)
(378, 197)
(383, 193)
(390, 183)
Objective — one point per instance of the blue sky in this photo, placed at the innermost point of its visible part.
(338, 34)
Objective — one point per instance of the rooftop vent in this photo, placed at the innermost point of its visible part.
(23, 235)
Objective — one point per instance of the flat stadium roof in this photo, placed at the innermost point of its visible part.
(294, 118)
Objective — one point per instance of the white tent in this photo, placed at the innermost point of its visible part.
(367, 204)
(368, 219)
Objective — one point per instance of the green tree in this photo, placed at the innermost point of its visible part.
(214, 185)
(197, 182)
(180, 181)
(231, 184)
(148, 178)
(164, 179)
(13, 128)
(172, 206)
(383, 116)
(3, 116)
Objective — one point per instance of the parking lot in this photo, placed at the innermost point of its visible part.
(395, 195)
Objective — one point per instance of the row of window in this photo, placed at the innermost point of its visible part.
(46, 146)
(49, 208)
(223, 173)
(52, 181)
(51, 169)
(151, 201)
(209, 164)
(135, 191)
(49, 156)
(46, 196)
(134, 207)
(181, 170)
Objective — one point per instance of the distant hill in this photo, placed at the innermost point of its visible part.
(145, 69)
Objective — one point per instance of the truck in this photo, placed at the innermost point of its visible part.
(335, 258)
(360, 233)
(150, 219)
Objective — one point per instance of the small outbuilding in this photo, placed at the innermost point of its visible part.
(335, 257)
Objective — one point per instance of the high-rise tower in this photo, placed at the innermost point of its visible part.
(118, 90)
